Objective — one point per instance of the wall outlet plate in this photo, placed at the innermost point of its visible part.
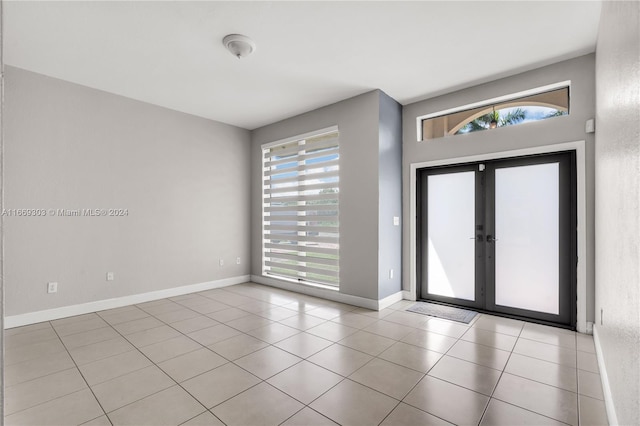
(237, 260)
(110, 276)
(52, 287)
(221, 262)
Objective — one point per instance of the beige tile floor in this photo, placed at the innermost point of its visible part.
(254, 355)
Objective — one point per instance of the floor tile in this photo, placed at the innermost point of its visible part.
(27, 328)
(29, 338)
(171, 348)
(218, 385)
(238, 346)
(402, 305)
(209, 307)
(448, 328)
(340, 359)
(152, 335)
(350, 403)
(267, 362)
(466, 374)
(406, 415)
(80, 326)
(273, 333)
(28, 394)
(302, 321)
(428, 340)
(162, 308)
(73, 409)
(194, 324)
(229, 314)
(547, 400)
(390, 379)
(369, 343)
(332, 331)
(499, 325)
(480, 354)
(255, 306)
(277, 313)
(248, 323)
(592, 412)
(546, 352)
(551, 335)
(410, 356)
(120, 315)
(38, 367)
(490, 338)
(74, 319)
(308, 417)
(100, 350)
(590, 384)
(131, 387)
(88, 337)
(409, 319)
(326, 312)
(204, 419)
(98, 421)
(389, 329)
(584, 343)
(588, 362)
(447, 401)
(262, 404)
(502, 414)
(135, 326)
(545, 372)
(191, 364)
(354, 320)
(171, 406)
(114, 366)
(210, 335)
(33, 351)
(177, 315)
(303, 344)
(305, 381)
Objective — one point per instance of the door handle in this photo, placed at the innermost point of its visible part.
(491, 239)
(479, 238)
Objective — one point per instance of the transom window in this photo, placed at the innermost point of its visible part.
(301, 187)
(540, 106)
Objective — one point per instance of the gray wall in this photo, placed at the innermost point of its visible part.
(357, 121)
(183, 179)
(556, 130)
(390, 196)
(618, 208)
(361, 175)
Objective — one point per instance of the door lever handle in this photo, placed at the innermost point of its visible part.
(478, 238)
(491, 239)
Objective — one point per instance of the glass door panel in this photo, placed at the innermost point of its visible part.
(450, 233)
(527, 237)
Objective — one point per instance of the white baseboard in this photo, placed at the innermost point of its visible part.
(322, 293)
(390, 300)
(100, 305)
(604, 378)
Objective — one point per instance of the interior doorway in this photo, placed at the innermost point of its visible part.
(500, 236)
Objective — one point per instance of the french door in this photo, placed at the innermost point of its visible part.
(500, 236)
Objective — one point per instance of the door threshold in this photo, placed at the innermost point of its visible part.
(503, 315)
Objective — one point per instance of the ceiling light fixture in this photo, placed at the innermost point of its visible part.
(239, 45)
(494, 123)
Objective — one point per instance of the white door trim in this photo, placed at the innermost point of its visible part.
(581, 170)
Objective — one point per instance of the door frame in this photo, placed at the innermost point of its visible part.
(581, 269)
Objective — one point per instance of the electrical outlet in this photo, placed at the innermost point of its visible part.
(110, 276)
(396, 221)
(390, 274)
(221, 262)
(52, 287)
(237, 260)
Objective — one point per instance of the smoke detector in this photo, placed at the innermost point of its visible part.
(239, 45)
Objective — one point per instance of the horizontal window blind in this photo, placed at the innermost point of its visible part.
(301, 186)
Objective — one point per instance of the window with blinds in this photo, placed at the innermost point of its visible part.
(301, 178)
